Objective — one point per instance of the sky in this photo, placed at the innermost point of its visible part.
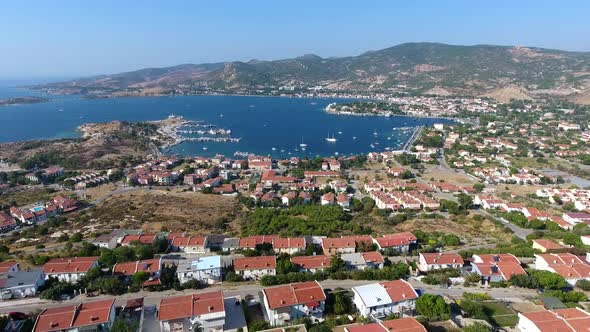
(59, 38)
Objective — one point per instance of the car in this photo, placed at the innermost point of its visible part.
(17, 315)
(65, 297)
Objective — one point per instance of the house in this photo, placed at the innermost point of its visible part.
(332, 246)
(496, 267)
(254, 268)
(567, 265)
(88, 316)
(206, 269)
(109, 241)
(312, 264)
(140, 238)
(286, 303)
(290, 245)
(230, 244)
(558, 320)
(327, 199)
(379, 300)
(404, 324)
(191, 244)
(7, 223)
(545, 245)
(69, 269)
(400, 242)
(21, 284)
(576, 217)
(343, 200)
(8, 266)
(151, 266)
(436, 261)
(203, 311)
(363, 260)
(251, 242)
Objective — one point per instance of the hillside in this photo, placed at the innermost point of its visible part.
(411, 67)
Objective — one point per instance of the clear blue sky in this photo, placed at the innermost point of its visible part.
(71, 38)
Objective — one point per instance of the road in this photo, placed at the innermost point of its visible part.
(251, 288)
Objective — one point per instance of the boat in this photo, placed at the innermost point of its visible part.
(274, 149)
(353, 137)
(205, 148)
(339, 133)
(331, 139)
(303, 149)
(314, 103)
(302, 144)
(372, 146)
(375, 133)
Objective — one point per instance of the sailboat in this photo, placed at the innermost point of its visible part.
(331, 139)
(303, 145)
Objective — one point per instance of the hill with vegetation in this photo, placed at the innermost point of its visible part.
(409, 68)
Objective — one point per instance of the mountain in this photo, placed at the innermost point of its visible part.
(411, 67)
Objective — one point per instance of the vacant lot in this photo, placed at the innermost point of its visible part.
(154, 210)
(24, 196)
(463, 227)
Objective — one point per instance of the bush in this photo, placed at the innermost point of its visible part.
(583, 284)
(433, 307)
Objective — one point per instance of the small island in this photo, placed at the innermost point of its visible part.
(22, 100)
(365, 108)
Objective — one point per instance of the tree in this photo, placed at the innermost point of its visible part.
(583, 284)
(479, 187)
(341, 303)
(337, 264)
(258, 325)
(284, 265)
(139, 278)
(433, 307)
(122, 325)
(548, 279)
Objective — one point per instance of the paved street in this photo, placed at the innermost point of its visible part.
(251, 288)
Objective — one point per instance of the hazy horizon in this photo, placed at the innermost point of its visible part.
(68, 39)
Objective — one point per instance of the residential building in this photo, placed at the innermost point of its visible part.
(88, 316)
(21, 284)
(190, 244)
(205, 269)
(8, 266)
(400, 242)
(283, 304)
(363, 260)
(69, 269)
(404, 324)
(151, 266)
(496, 267)
(289, 245)
(254, 268)
(436, 261)
(343, 245)
(203, 311)
(558, 320)
(312, 263)
(545, 245)
(569, 266)
(379, 300)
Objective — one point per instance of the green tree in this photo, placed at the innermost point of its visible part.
(342, 303)
(477, 327)
(139, 278)
(122, 325)
(433, 307)
(337, 264)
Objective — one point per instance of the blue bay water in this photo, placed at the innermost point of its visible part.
(263, 123)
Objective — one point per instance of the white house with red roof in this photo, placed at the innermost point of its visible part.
(69, 269)
(190, 244)
(558, 320)
(189, 312)
(289, 245)
(343, 245)
(153, 267)
(567, 265)
(379, 300)
(496, 267)
(575, 218)
(286, 303)
(327, 199)
(397, 241)
(312, 264)
(87, 316)
(7, 223)
(436, 261)
(343, 200)
(254, 268)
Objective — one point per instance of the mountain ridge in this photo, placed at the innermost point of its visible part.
(406, 68)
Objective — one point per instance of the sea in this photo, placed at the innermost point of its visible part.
(276, 126)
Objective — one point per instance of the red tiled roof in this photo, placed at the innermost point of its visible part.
(309, 293)
(399, 290)
(547, 244)
(338, 243)
(395, 240)
(442, 258)
(191, 305)
(6, 265)
(252, 241)
(143, 238)
(405, 324)
(290, 242)
(130, 268)
(69, 265)
(255, 263)
(373, 257)
(312, 262)
(73, 316)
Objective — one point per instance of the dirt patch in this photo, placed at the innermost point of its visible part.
(155, 210)
(508, 93)
(23, 196)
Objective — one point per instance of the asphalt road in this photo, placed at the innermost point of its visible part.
(251, 288)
